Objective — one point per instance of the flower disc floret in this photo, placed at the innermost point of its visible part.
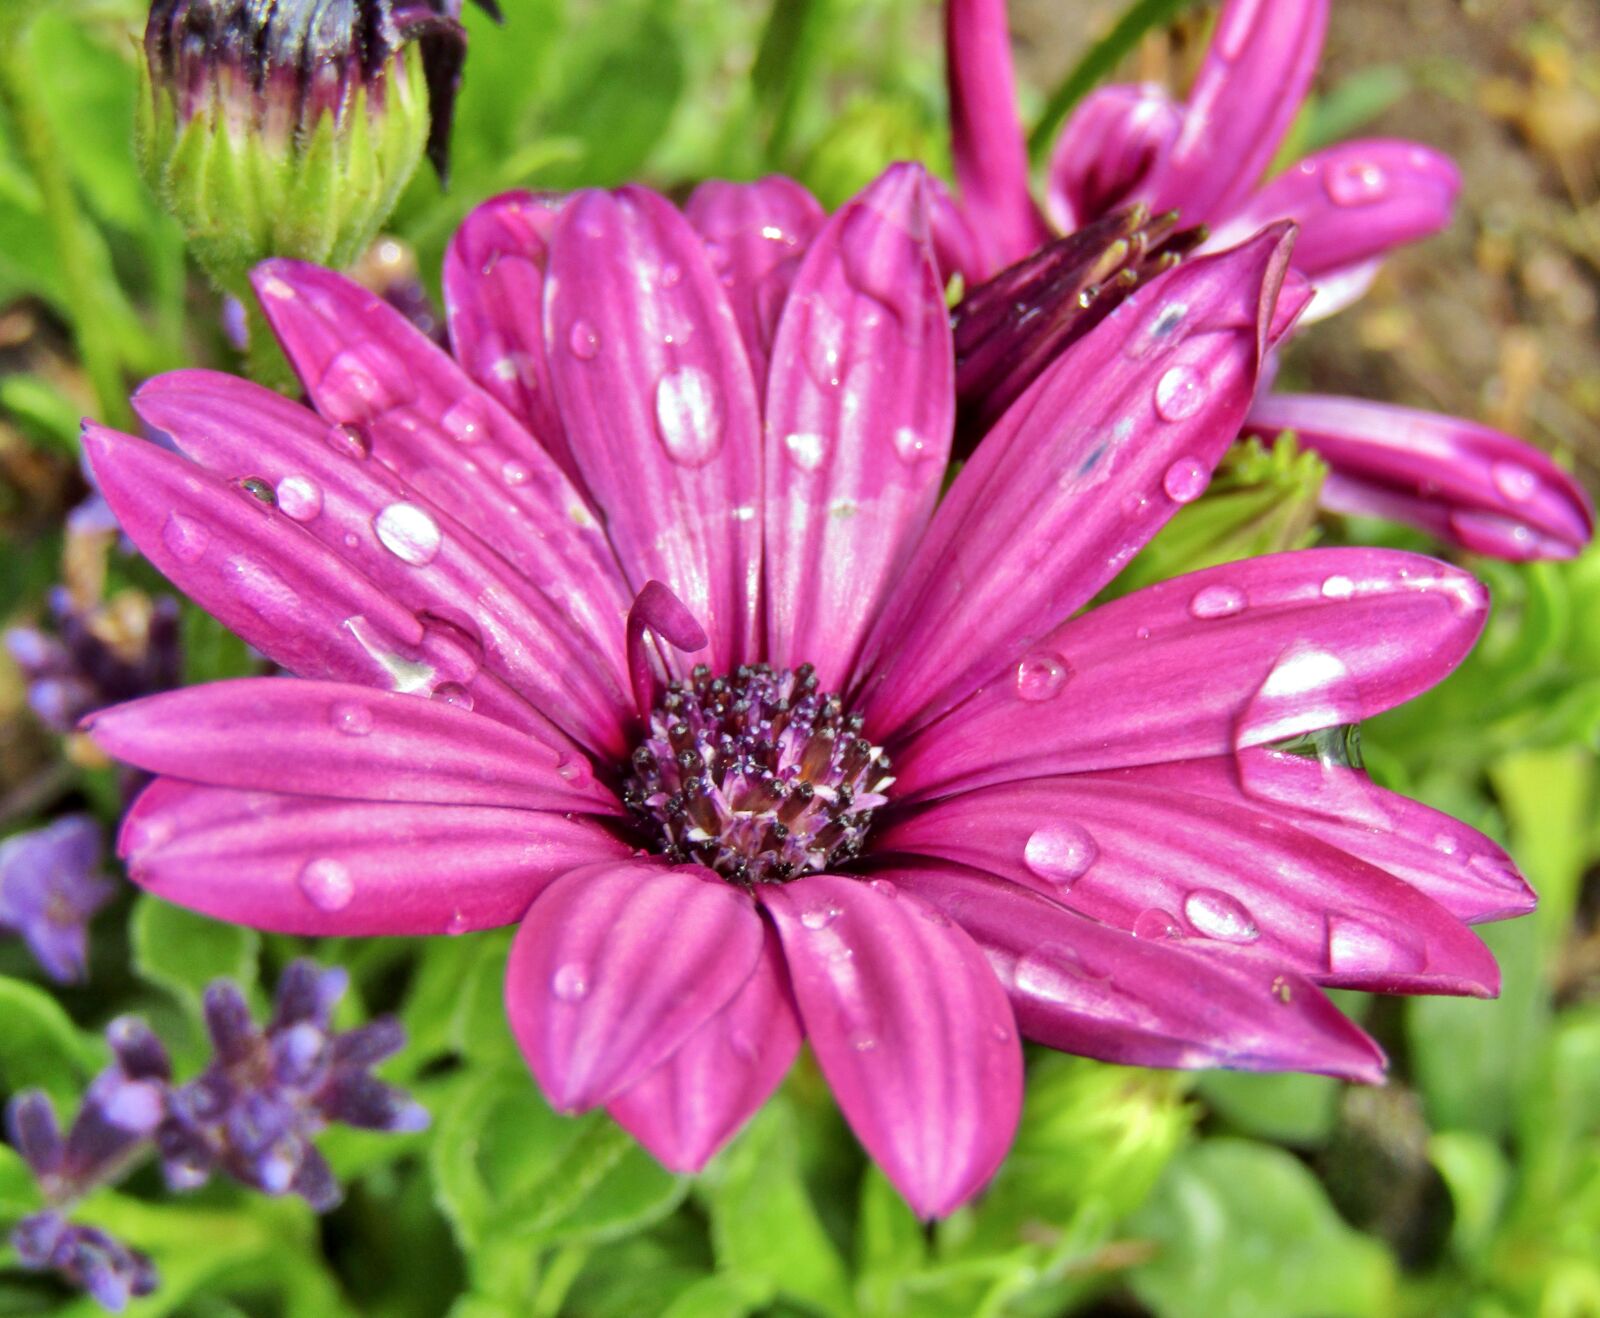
(759, 775)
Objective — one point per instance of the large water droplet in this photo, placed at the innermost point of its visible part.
(185, 538)
(1307, 688)
(570, 983)
(1156, 924)
(820, 917)
(299, 498)
(327, 884)
(1360, 945)
(1057, 973)
(1179, 393)
(348, 442)
(584, 340)
(1219, 916)
(453, 693)
(1355, 183)
(409, 533)
(1217, 601)
(689, 416)
(1060, 853)
(1041, 675)
(358, 386)
(1514, 481)
(805, 449)
(467, 420)
(1185, 480)
(351, 718)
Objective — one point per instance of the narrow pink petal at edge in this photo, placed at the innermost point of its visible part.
(911, 1029)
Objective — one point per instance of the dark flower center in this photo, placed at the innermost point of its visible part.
(758, 775)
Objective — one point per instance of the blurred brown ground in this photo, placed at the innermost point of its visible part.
(1498, 318)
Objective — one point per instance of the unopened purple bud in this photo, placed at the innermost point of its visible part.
(233, 1033)
(34, 1131)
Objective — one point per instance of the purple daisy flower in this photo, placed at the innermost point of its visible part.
(641, 621)
(1205, 159)
(50, 888)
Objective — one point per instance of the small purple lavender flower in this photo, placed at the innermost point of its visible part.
(85, 1256)
(50, 887)
(255, 1111)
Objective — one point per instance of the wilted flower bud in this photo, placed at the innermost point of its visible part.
(290, 129)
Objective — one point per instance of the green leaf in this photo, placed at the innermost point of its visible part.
(43, 409)
(182, 952)
(1245, 1230)
(1478, 1176)
(763, 1223)
(726, 1295)
(19, 1196)
(40, 1047)
(210, 651)
(1286, 1107)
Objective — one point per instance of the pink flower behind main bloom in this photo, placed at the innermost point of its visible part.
(1206, 158)
(640, 622)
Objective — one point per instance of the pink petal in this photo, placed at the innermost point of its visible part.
(695, 1101)
(911, 1030)
(1461, 481)
(1353, 202)
(1461, 869)
(1113, 438)
(991, 158)
(652, 378)
(279, 734)
(391, 391)
(1085, 988)
(859, 412)
(617, 966)
(494, 293)
(321, 866)
(956, 243)
(1234, 656)
(1141, 856)
(1110, 152)
(560, 646)
(755, 235)
(1257, 72)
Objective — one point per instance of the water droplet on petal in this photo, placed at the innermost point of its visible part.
(409, 533)
(358, 386)
(467, 420)
(1060, 853)
(348, 442)
(863, 1043)
(1057, 973)
(299, 498)
(1338, 588)
(327, 884)
(1000, 1034)
(570, 983)
(1355, 183)
(911, 445)
(805, 449)
(1306, 689)
(1219, 916)
(820, 917)
(1364, 946)
(185, 538)
(1041, 675)
(458, 923)
(1446, 844)
(689, 416)
(1156, 924)
(1185, 480)
(515, 473)
(572, 768)
(453, 693)
(259, 490)
(1217, 601)
(884, 888)
(584, 340)
(1514, 481)
(1179, 393)
(351, 718)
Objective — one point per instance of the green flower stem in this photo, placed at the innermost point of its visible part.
(584, 1165)
(96, 346)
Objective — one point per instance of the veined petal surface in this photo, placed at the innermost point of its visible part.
(1107, 154)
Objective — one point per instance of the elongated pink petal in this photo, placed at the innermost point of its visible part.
(991, 158)
(860, 408)
(392, 392)
(1110, 152)
(657, 611)
(1257, 71)
(755, 234)
(1114, 437)
(553, 644)
(1353, 202)
(911, 1029)
(279, 734)
(652, 378)
(1160, 862)
(494, 299)
(1089, 989)
(1462, 481)
(1235, 656)
(695, 1101)
(1461, 869)
(321, 866)
(616, 966)
(956, 244)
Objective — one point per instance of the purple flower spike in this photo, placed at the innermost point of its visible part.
(86, 1257)
(255, 1112)
(797, 747)
(1462, 482)
(50, 887)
